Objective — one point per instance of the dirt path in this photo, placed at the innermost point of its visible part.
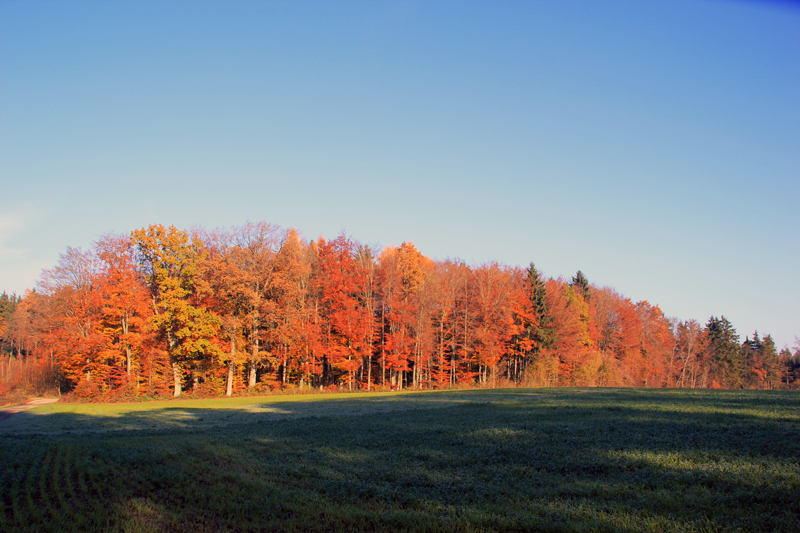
(30, 404)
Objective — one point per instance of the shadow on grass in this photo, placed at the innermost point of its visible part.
(545, 460)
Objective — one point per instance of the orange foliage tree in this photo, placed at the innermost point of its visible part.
(346, 326)
(258, 306)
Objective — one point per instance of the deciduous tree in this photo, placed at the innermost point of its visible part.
(169, 259)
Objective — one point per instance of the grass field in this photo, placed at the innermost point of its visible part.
(480, 460)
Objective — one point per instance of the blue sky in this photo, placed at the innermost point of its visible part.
(653, 145)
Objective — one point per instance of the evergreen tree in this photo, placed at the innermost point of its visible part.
(771, 362)
(581, 285)
(786, 366)
(7, 306)
(761, 367)
(543, 332)
(752, 374)
(784, 358)
(724, 352)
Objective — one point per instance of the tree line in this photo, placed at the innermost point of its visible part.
(257, 307)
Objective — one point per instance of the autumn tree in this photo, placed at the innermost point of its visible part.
(464, 316)
(494, 316)
(242, 269)
(367, 295)
(394, 314)
(567, 360)
(619, 333)
(417, 306)
(33, 367)
(297, 307)
(536, 331)
(760, 362)
(73, 328)
(656, 344)
(443, 284)
(169, 259)
(226, 280)
(27, 326)
(521, 343)
(123, 300)
(259, 306)
(691, 341)
(405, 303)
(341, 279)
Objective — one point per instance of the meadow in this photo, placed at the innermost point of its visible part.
(474, 460)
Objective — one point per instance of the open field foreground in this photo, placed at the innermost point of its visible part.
(480, 460)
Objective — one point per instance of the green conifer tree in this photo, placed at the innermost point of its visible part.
(786, 367)
(581, 285)
(769, 363)
(7, 307)
(724, 351)
(544, 331)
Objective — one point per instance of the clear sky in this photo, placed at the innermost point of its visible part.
(653, 145)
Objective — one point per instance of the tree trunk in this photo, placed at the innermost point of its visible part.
(440, 360)
(304, 368)
(251, 381)
(229, 384)
(176, 372)
(671, 366)
(383, 346)
(516, 369)
(683, 372)
(176, 376)
(127, 346)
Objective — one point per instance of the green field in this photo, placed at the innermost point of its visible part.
(480, 460)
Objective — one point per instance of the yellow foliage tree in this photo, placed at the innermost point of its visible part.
(170, 260)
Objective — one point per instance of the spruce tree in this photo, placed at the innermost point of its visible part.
(751, 361)
(761, 366)
(724, 351)
(581, 284)
(786, 367)
(543, 332)
(7, 307)
(768, 359)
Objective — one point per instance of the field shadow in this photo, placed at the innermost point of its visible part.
(599, 460)
(182, 415)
